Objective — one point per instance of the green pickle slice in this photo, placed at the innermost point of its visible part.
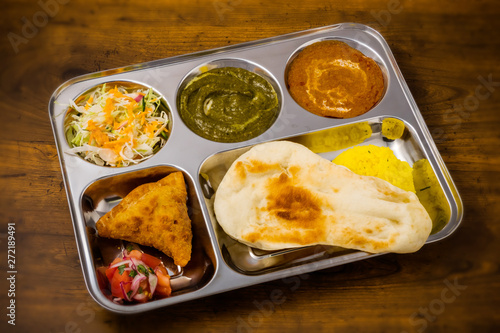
(393, 128)
(430, 194)
(336, 138)
(382, 163)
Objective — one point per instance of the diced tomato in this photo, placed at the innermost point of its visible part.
(162, 270)
(118, 279)
(111, 271)
(163, 288)
(136, 254)
(163, 291)
(151, 261)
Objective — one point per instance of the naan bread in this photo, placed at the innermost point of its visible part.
(281, 195)
(153, 214)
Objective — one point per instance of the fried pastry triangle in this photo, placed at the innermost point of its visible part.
(153, 214)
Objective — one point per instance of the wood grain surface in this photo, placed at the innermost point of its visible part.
(445, 50)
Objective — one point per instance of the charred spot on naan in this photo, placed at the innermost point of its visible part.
(356, 239)
(241, 171)
(269, 234)
(297, 208)
(294, 204)
(254, 166)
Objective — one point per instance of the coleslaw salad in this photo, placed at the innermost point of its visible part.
(117, 127)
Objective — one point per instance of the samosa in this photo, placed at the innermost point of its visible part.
(153, 214)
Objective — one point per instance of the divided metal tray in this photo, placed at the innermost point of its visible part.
(220, 263)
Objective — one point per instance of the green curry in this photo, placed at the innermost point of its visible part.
(228, 105)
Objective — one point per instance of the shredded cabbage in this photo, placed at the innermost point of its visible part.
(116, 127)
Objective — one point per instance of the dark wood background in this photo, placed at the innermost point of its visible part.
(442, 47)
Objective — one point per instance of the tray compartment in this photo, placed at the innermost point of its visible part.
(129, 86)
(251, 261)
(102, 195)
(238, 63)
(355, 44)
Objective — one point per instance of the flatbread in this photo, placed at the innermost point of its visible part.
(281, 195)
(153, 214)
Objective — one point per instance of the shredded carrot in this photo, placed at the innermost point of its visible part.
(89, 102)
(115, 120)
(116, 92)
(90, 125)
(108, 108)
(100, 137)
(130, 114)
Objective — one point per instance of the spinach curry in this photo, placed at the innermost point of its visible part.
(228, 104)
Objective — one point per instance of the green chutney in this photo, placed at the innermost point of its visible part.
(228, 104)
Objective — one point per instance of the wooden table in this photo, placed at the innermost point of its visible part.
(447, 51)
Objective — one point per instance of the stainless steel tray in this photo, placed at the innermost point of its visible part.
(219, 263)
